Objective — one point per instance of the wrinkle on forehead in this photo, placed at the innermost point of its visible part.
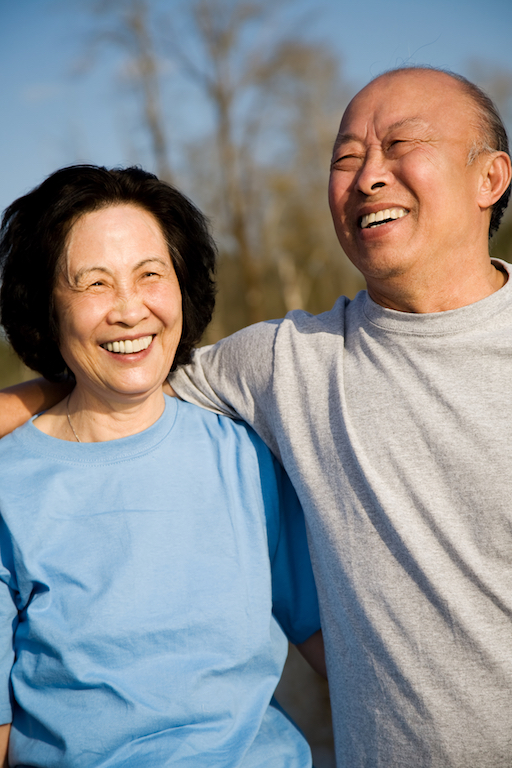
(399, 91)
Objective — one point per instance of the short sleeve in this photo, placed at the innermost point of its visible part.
(235, 378)
(294, 596)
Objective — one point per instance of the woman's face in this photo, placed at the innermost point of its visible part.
(118, 304)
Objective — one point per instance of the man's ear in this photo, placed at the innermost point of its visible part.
(494, 180)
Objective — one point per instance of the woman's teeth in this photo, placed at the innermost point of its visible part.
(381, 216)
(128, 346)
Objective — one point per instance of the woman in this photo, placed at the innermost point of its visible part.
(151, 553)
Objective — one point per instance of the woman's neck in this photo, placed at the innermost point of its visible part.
(85, 418)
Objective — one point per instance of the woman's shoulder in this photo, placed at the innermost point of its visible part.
(223, 430)
(214, 422)
(16, 453)
(16, 439)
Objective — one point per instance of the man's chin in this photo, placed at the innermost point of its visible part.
(381, 265)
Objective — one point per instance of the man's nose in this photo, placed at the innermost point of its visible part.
(374, 173)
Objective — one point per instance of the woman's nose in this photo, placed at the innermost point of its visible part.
(128, 309)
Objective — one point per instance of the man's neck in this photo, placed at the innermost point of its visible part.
(430, 294)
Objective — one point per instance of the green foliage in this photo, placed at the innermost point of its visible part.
(501, 244)
(12, 369)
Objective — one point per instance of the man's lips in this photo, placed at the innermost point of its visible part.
(128, 346)
(382, 216)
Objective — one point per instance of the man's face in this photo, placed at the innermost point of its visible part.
(401, 157)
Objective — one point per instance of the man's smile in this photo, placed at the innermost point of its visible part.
(381, 217)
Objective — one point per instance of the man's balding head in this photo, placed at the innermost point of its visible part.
(491, 132)
(420, 174)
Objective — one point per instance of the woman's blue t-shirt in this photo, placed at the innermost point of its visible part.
(147, 582)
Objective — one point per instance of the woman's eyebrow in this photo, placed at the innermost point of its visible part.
(87, 270)
(151, 260)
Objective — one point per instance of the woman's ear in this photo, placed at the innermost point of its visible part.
(494, 180)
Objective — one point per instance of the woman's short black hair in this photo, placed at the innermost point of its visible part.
(33, 237)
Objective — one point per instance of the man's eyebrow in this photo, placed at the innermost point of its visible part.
(406, 121)
(346, 138)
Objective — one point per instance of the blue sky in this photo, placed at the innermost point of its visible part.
(51, 116)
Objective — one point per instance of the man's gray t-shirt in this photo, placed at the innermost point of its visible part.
(396, 430)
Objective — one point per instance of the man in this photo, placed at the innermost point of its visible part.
(391, 414)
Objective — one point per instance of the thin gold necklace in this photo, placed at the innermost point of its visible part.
(69, 420)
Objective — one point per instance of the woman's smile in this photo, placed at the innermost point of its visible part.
(128, 346)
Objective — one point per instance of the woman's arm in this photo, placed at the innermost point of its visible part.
(20, 402)
(4, 744)
(313, 651)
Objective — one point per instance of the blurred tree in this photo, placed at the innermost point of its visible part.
(307, 88)
(126, 24)
(271, 183)
(225, 76)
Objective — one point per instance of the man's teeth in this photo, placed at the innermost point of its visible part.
(385, 215)
(128, 346)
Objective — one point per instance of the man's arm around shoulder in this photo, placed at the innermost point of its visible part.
(20, 402)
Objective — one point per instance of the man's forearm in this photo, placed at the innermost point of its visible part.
(313, 651)
(4, 744)
(20, 402)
